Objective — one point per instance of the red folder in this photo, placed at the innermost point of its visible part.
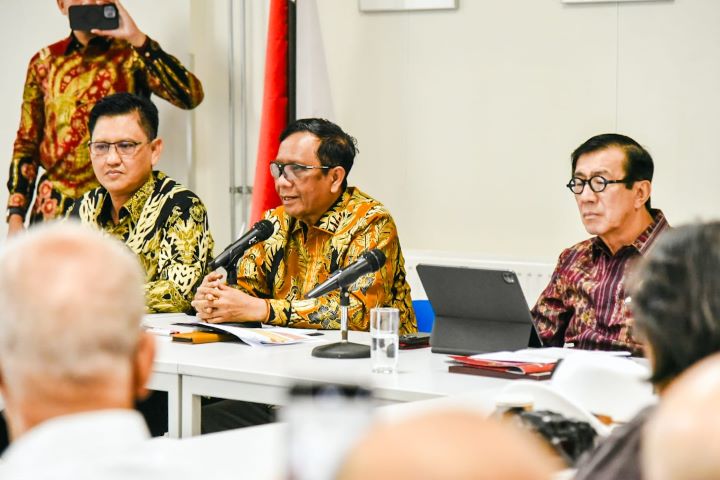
(502, 369)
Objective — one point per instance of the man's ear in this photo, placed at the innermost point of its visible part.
(642, 193)
(337, 174)
(61, 6)
(142, 364)
(157, 148)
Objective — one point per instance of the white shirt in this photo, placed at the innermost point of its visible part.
(104, 444)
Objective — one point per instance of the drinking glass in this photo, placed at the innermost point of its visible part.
(384, 344)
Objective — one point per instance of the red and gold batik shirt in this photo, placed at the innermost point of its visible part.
(584, 303)
(64, 81)
(298, 257)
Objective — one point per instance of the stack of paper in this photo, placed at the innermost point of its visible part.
(257, 337)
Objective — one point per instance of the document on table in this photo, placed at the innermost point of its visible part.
(163, 324)
(166, 317)
(542, 355)
(259, 337)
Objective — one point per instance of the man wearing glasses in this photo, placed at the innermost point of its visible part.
(64, 80)
(585, 304)
(163, 222)
(322, 225)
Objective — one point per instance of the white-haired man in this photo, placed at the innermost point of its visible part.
(72, 364)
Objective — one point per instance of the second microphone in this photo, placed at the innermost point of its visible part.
(261, 231)
(368, 262)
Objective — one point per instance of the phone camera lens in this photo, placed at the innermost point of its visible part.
(109, 11)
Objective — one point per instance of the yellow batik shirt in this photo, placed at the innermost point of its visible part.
(166, 225)
(64, 82)
(298, 257)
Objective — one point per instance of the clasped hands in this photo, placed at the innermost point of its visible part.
(217, 302)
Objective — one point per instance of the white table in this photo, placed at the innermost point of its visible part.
(253, 452)
(263, 374)
(165, 378)
(238, 372)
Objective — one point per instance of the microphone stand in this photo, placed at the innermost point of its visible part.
(343, 348)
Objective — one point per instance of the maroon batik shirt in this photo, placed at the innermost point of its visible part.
(584, 303)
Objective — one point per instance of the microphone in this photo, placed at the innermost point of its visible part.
(368, 262)
(259, 232)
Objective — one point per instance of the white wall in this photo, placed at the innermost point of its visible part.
(465, 118)
(215, 142)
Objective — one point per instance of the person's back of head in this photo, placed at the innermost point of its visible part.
(676, 299)
(682, 440)
(455, 444)
(77, 346)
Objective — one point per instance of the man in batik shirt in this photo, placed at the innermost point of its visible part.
(322, 226)
(64, 81)
(164, 223)
(585, 304)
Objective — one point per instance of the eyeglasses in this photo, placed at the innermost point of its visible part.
(124, 148)
(597, 184)
(293, 171)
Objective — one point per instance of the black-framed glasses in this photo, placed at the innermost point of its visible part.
(597, 183)
(293, 171)
(124, 148)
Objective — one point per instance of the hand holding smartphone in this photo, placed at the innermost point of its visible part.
(90, 17)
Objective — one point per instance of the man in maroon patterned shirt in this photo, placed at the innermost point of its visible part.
(584, 305)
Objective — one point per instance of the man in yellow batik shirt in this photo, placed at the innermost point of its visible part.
(64, 81)
(163, 222)
(322, 226)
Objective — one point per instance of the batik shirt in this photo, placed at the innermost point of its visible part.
(298, 257)
(64, 81)
(584, 303)
(166, 225)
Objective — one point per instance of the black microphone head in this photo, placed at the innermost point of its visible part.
(375, 258)
(264, 229)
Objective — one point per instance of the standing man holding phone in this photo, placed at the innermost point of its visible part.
(64, 81)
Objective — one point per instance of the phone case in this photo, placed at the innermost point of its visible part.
(417, 340)
(89, 17)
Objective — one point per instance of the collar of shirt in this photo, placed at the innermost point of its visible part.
(95, 430)
(642, 243)
(98, 43)
(330, 220)
(132, 207)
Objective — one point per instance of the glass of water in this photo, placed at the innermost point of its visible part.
(384, 339)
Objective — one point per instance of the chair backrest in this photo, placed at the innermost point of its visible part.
(424, 314)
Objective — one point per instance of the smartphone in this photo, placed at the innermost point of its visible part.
(414, 340)
(89, 17)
